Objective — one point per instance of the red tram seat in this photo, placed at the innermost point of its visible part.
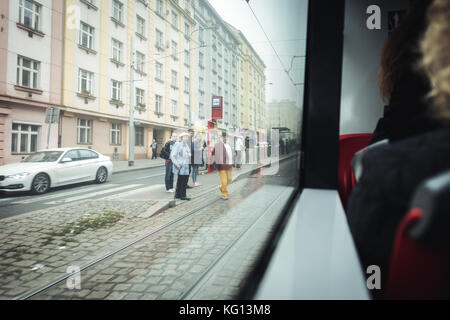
(420, 259)
(349, 144)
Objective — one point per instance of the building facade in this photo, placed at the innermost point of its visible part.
(252, 81)
(104, 39)
(30, 79)
(216, 64)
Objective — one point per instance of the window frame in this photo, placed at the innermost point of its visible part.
(33, 71)
(36, 12)
(29, 133)
(88, 127)
(117, 130)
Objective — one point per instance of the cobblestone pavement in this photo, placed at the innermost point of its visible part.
(38, 240)
(166, 265)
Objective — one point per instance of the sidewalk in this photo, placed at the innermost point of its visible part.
(122, 166)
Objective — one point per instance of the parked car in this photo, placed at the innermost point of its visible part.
(55, 167)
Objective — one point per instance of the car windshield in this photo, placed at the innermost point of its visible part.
(44, 156)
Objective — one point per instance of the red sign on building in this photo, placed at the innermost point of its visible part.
(217, 108)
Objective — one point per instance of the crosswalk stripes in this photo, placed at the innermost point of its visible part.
(94, 194)
(34, 199)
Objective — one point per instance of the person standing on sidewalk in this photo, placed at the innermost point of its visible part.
(239, 148)
(154, 146)
(197, 158)
(191, 144)
(165, 154)
(223, 158)
(181, 158)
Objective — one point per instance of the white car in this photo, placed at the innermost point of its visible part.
(55, 167)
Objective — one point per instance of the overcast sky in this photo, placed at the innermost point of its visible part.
(285, 24)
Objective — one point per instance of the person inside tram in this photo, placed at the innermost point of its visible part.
(392, 172)
(401, 83)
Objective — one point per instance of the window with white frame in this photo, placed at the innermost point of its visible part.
(201, 109)
(117, 50)
(200, 35)
(187, 84)
(174, 19)
(30, 14)
(115, 133)
(140, 94)
(174, 78)
(116, 90)
(85, 80)
(24, 138)
(200, 83)
(174, 107)
(187, 111)
(28, 72)
(84, 128)
(187, 30)
(214, 88)
(139, 136)
(159, 39)
(159, 7)
(159, 70)
(86, 35)
(140, 25)
(158, 104)
(200, 59)
(174, 49)
(187, 57)
(140, 62)
(117, 10)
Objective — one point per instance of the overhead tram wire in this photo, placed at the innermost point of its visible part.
(271, 44)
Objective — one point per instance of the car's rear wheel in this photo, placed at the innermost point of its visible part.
(40, 184)
(102, 175)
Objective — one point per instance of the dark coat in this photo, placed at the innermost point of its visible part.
(380, 200)
(407, 114)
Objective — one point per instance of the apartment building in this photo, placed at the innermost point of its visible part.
(252, 90)
(30, 79)
(105, 37)
(216, 64)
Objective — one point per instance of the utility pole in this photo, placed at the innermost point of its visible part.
(131, 124)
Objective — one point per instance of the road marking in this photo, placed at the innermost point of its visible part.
(62, 194)
(155, 175)
(134, 192)
(84, 196)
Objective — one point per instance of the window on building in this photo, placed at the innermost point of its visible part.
(174, 49)
(174, 19)
(30, 14)
(158, 104)
(201, 59)
(214, 88)
(159, 7)
(84, 128)
(117, 10)
(116, 90)
(187, 57)
(140, 96)
(201, 110)
(115, 133)
(24, 138)
(200, 83)
(140, 25)
(214, 64)
(187, 84)
(139, 136)
(140, 62)
(159, 39)
(159, 70)
(187, 30)
(28, 72)
(86, 35)
(200, 35)
(85, 81)
(187, 111)
(174, 108)
(117, 48)
(220, 91)
(174, 79)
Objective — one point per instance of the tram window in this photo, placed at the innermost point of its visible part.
(156, 226)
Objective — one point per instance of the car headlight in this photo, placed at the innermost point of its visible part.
(18, 175)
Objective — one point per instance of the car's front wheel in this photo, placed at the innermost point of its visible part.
(40, 184)
(102, 175)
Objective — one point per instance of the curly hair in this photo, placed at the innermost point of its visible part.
(435, 47)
